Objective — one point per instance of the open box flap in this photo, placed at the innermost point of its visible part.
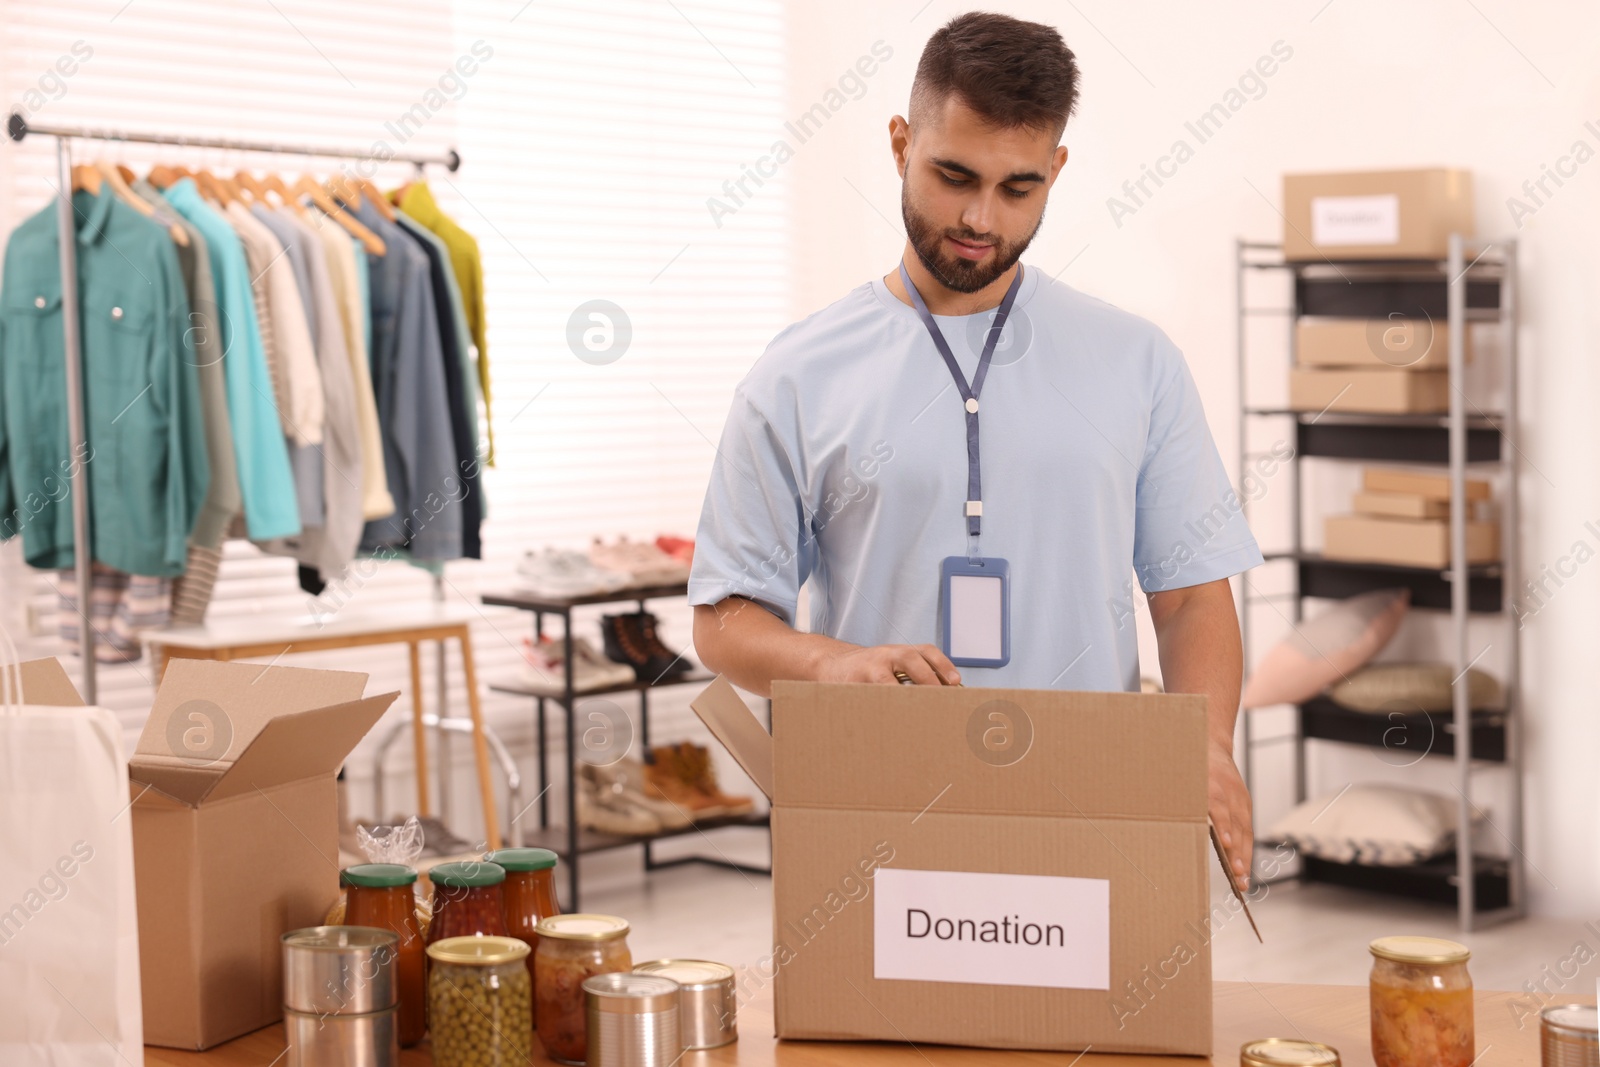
(981, 750)
(46, 682)
(207, 712)
(301, 745)
(738, 730)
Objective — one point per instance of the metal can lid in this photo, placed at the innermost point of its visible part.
(378, 875)
(1580, 1021)
(691, 974)
(1409, 949)
(471, 874)
(523, 859)
(582, 926)
(632, 994)
(478, 951)
(1287, 1052)
(339, 938)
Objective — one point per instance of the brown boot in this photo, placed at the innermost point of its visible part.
(697, 769)
(665, 775)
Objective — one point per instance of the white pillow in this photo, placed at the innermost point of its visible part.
(1374, 825)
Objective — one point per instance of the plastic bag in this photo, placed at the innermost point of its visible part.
(400, 844)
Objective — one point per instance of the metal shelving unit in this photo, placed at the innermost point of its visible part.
(1475, 283)
(571, 841)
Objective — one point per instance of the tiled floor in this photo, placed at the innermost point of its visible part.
(1312, 933)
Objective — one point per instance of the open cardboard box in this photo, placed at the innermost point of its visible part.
(235, 831)
(1006, 868)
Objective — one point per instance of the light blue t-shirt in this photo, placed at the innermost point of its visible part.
(843, 462)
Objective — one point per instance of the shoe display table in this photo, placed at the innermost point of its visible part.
(571, 841)
(1245, 1011)
(259, 636)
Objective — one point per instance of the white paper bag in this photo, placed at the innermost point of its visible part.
(69, 933)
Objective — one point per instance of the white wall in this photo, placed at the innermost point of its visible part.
(1496, 87)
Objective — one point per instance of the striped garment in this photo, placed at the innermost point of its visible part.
(120, 605)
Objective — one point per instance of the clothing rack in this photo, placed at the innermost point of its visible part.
(18, 127)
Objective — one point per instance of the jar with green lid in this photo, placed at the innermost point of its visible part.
(529, 894)
(479, 1002)
(1287, 1052)
(467, 900)
(380, 895)
(1421, 998)
(572, 949)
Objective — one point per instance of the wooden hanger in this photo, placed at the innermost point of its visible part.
(127, 173)
(163, 176)
(276, 185)
(258, 190)
(375, 197)
(307, 186)
(119, 186)
(86, 178)
(212, 186)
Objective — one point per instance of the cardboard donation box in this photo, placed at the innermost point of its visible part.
(1392, 214)
(235, 835)
(1006, 868)
(1395, 344)
(1368, 389)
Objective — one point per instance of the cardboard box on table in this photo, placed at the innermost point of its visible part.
(1081, 815)
(1388, 214)
(235, 832)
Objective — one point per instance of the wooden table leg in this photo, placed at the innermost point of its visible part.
(480, 745)
(419, 735)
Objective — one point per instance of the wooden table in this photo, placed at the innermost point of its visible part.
(274, 636)
(1334, 1015)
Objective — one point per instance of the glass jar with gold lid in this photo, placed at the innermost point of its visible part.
(573, 948)
(1421, 997)
(478, 1002)
(1287, 1052)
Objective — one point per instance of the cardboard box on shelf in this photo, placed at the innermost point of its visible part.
(1400, 506)
(235, 833)
(1404, 542)
(1378, 390)
(1420, 483)
(1005, 868)
(1398, 343)
(1391, 214)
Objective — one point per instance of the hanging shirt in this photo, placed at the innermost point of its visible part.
(844, 462)
(222, 499)
(413, 410)
(458, 385)
(294, 241)
(347, 266)
(265, 483)
(146, 460)
(417, 201)
(272, 273)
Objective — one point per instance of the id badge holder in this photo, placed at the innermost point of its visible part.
(975, 611)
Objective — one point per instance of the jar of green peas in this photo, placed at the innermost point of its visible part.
(480, 1002)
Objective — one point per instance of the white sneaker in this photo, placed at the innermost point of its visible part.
(562, 573)
(545, 662)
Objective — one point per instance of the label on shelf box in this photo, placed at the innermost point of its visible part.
(1355, 220)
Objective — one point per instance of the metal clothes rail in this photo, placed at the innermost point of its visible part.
(18, 127)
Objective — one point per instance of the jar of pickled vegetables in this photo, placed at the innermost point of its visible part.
(1421, 1003)
(467, 900)
(530, 893)
(380, 894)
(479, 999)
(571, 949)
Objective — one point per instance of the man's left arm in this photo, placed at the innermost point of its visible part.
(1197, 633)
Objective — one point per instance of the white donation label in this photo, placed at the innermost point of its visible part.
(1355, 220)
(991, 929)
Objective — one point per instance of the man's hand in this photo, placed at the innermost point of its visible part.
(925, 664)
(1229, 805)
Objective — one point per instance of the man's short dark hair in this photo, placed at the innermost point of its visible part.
(1012, 73)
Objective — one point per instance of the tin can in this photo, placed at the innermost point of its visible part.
(1287, 1052)
(1568, 1036)
(708, 1007)
(317, 1040)
(632, 1020)
(339, 970)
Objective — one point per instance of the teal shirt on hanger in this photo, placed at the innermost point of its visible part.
(265, 480)
(145, 436)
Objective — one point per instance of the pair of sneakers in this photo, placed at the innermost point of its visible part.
(559, 572)
(545, 662)
(619, 798)
(646, 563)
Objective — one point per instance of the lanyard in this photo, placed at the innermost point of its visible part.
(969, 394)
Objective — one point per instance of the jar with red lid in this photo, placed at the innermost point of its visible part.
(529, 891)
(381, 895)
(468, 900)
